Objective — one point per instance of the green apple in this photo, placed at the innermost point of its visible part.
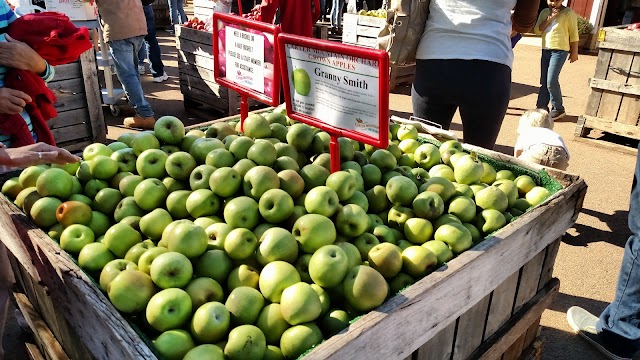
(75, 237)
(244, 303)
(334, 322)
(169, 130)
(240, 244)
(256, 126)
(401, 190)
(400, 282)
(354, 257)
(524, 183)
(258, 180)
(313, 231)
(202, 202)
(147, 257)
(377, 197)
(275, 277)
(210, 322)
(386, 258)
(201, 148)
(509, 188)
(243, 166)
(300, 304)
(225, 181)
(457, 236)
(150, 194)
(314, 175)
(427, 155)
(537, 195)
(271, 323)
(364, 288)
(11, 188)
(442, 170)
(144, 141)
(364, 243)
(343, 183)
(246, 342)
(291, 182)
(491, 197)
(476, 236)
(112, 269)
(302, 266)
(286, 163)
(440, 249)
(320, 143)
(409, 145)
(74, 212)
(71, 168)
(153, 224)
(174, 344)
(55, 231)
(29, 176)
(219, 158)
(205, 351)
(296, 340)
(490, 220)
(240, 147)
(169, 309)
(371, 176)
(103, 167)
(384, 160)
(126, 138)
(428, 205)
(489, 174)
(217, 233)
(120, 238)
(214, 264)
(130, 291)
(94, 256)
(171, 270)
(128, 184)
(505, 174)
(127, 207)
(352, 220)
(54, 182)
(277, 244)
(262, 152)
(189, 138)
(418, 230)
(220, 131)
(322, 200)
(384, 234)
(107, 200)
(95, 149)
(275, 205)
(328, 266)
(178, 165)
(199, 178)
(464, 208)
(418, 261)
(152, 163)
(398, 216)
(114, 182)
(170, 149)
(74, 197)
(137, 250)
(177, 204)
(301, 81)
(242, 211)
(446, 219)
(187, 239)
(475, 188)
(440, 186)
(243, 275)
(43, 211)
(360, 199)
(93, 186)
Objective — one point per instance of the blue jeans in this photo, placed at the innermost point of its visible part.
(150, 48)
(176, 12)
(336, 13)
(125, 57)
(550, 66)
(619, 324)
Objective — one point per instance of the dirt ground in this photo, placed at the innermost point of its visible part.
(589, 258)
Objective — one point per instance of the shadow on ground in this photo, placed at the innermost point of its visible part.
(586, 234)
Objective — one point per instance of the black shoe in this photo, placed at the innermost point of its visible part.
(583, 323)
(557, 114)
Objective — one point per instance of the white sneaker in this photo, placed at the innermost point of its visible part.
(141, 69)
(162, 78)
(583, 323)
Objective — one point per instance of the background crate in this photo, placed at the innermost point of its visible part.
(161, 14)
(197, 82)
(80, 120)
(614, 102)
(203, 9)
(485, 304)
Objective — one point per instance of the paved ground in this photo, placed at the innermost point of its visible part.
(590, 255)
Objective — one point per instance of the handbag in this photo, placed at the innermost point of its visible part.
(406, 30)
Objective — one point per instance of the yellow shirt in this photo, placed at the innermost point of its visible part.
(562, 30)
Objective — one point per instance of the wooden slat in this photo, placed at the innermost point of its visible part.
(33, 352)
(72, 132)
(194, 48)
(630, 105)
(613, 86)
(620, 39)
(612, 127)
(501, 306)
(193, 35)
(207, 4)
(602, 66)
(68, 118)
(515, 350)
(532, 333)
(440, 347)
(470, 328)
(198, 72)
(74, 145)
(198, 60)
(40, 330)
(549, 262)
(94, 96)
(394, 330)
(69, 86)
(509, 333)
(618, 70)
(66, 102)
(68, 71)
(529, 279)
(204, 97)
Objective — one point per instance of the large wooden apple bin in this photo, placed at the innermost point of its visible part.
(486, 303)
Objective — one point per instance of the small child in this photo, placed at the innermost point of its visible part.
(538, 143)
(558, 26)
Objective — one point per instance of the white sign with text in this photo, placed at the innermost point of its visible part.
(244, 52)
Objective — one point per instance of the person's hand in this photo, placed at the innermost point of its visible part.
(18, 55)
(36, 154)
(573, 57)
(12, 101)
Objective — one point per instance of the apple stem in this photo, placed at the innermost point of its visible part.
(474, 155)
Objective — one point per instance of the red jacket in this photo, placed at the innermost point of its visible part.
(54, 37)
(296, 15)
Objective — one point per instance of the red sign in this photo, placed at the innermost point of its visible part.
(341, 89)
(245, 58)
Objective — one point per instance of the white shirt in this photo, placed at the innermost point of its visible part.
(538, 135)
(468, 30)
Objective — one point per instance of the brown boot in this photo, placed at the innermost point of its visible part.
(140, 122)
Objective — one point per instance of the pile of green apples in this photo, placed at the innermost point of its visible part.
(244, 246)
(381, 13)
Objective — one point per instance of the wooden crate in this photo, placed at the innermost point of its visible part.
(80, 120)
(197, 82)
(614, 102)
(203, 9)
(484, 304)
(161, 14)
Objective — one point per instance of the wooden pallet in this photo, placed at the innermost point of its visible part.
(197, 82)
(614, 102)
(80, 120)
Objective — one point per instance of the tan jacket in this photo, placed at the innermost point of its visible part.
(121, 19)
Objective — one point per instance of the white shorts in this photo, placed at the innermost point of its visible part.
(546, 155)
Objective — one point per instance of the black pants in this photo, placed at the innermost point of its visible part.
(480, 89)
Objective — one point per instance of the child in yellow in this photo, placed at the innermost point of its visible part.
(558, 26)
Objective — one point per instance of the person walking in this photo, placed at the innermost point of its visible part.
(558, 26)
(464, 60)
(335, 18)
(124, 31)
(150, 49)
(616, 333)
(176, 14)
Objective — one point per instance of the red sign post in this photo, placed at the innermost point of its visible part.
(245, 59)
(341, 89)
